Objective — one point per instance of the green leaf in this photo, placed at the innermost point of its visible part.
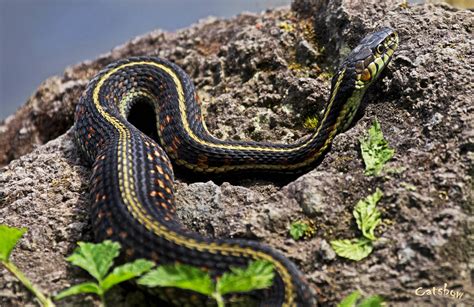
(258, 275)
(367, 215)
(9, 237)
(179, 276)
(126, 272)
(95, 258)
(350, 300)
(87, 287)
(298, 229)
(311, 123)
(375, 150)
(355, 249)
(371, 301)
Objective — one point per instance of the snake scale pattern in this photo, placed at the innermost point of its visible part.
(132, 175)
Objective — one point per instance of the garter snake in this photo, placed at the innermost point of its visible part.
(132, 176)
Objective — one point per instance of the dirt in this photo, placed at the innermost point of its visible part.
(259, 77)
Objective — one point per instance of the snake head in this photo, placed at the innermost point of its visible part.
(359, 70)
(371, 56)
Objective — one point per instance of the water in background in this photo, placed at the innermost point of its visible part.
(39, 38)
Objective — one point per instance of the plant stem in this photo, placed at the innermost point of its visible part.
(27, 283)
(102, 299)
(219, 299)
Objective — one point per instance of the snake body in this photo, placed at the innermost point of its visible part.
(132, 176)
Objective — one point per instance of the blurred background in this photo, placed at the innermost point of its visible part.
(39, 38)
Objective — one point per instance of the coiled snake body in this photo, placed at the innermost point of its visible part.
(132, 176)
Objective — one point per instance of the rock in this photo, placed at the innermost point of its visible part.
(326, 251)
(305, 53)
(311, 193)
(253, 87)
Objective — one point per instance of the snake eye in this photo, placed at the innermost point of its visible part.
(380, 49)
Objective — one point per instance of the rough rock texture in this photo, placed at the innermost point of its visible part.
(259, 77)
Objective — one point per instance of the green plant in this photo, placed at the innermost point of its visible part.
(375, 150)
(301, 228)
(258, 275)
(352, 301)
(367, 216)
(97, 259)
(311, 122)
(9, 237)
(354, 249)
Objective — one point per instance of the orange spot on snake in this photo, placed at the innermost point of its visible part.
(154, 256)
(202, 161)
(129, 252)
(366, 75)
(160, 183)
(109, 231)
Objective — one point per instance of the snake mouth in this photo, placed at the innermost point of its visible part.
(374, 53)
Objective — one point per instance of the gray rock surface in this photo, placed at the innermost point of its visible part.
(259, 77)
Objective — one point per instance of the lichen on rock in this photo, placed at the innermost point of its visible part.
(259, 77)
